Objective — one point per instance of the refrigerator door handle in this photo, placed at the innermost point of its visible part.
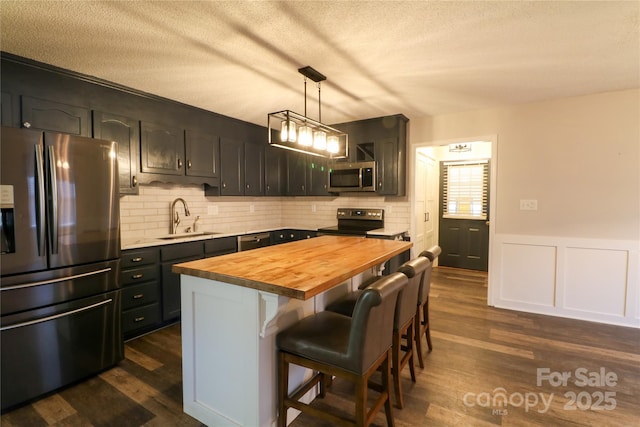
(56, 316)
(54, 201)
(40, 202)
(62, 279)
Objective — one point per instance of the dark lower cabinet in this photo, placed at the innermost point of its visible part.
(169, 255)
(141, 299)
(150, 290)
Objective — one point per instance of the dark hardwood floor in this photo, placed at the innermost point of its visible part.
(482, 356)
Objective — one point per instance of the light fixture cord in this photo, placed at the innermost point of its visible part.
(319, 109)
(305, 96)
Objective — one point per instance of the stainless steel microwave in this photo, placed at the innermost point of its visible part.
(359, 176)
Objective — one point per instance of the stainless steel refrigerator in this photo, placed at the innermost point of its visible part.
(59, 261)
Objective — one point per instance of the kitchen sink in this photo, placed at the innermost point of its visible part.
(187, 235)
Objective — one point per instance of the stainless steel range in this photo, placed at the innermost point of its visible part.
(355, 222)
(359, 222)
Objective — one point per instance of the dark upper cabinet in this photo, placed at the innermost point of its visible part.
(306, 175)
(54, 116)
(241, 169)
(296, 174)
(253, 169)
(126, 132)
(161, 149)
(202, 151)
(231, 167)
(383, 140)
(318, 176)
(274, 171)
(6, 108)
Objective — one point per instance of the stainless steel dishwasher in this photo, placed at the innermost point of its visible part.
(253, 241)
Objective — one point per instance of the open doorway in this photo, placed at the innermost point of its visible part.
(428, 198)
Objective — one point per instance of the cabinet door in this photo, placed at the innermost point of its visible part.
(6, 109)
(274, 171)
(231, 167)
(202, 154)
(126, 132)
(318, 176)
(54, 116)
(161, 149)
(386, 151)
(296, 174)
(253, 169)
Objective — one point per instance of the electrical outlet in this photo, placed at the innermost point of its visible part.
(212, 210)
(252, 208)
(313, 207)
(528, 205)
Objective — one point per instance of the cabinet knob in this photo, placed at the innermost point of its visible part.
(134, 181)
(224, 185)
(26, 125)
(189, 164)
(248, 186)
(179, 163)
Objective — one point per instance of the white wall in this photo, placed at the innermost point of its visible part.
(578, 254)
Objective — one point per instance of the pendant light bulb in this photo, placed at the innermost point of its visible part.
(305, 137)
(320, 140)
(333, 144)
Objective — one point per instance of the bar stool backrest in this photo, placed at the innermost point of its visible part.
(372, 321)
(431, 254)
(415, 271)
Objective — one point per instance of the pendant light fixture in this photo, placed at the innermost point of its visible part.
(297, 132)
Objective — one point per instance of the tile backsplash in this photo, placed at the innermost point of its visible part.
(148, 214)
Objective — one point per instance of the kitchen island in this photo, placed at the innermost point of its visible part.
(234, 305)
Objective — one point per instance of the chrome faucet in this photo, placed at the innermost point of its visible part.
(175, 218)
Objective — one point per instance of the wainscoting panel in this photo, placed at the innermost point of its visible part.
(588, 279)
(530, 272)
(596, 280)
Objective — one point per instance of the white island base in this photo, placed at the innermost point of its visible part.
(229, 353)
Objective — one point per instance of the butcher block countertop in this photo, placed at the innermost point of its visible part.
(299, 270)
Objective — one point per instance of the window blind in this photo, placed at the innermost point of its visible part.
(465, 190)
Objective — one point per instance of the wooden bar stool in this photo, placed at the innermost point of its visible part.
(422, 312)
(352, 348)
(404, 323)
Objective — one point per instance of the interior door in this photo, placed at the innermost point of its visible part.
(463, 214)
(420, 213)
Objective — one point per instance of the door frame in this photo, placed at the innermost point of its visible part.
(493, 193)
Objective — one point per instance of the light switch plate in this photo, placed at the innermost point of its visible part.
(212, 210)
(528, 205)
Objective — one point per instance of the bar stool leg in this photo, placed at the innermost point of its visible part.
(386, 386)
(426, 322)
(418, 337)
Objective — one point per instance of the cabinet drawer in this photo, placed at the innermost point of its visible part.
(138, 295)
(223, 245)
(138, 257)
(181, 250)
(140, 317)
(138, 275)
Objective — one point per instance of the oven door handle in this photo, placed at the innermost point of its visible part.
(56, 316)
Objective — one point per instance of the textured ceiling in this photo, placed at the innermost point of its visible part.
(418, 58)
